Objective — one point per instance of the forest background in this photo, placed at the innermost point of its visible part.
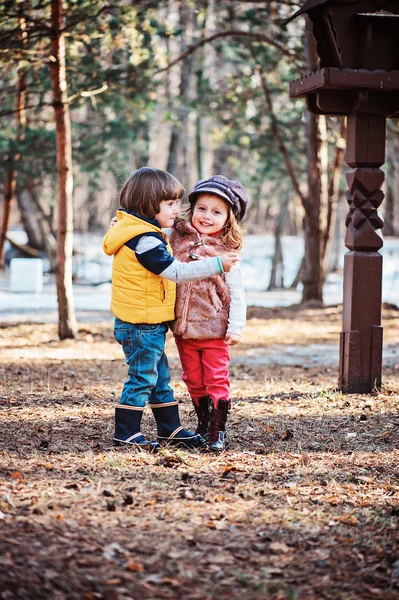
(194, 87)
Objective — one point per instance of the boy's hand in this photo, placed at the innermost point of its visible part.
(231, 339)
(113, 222)
(229, 260)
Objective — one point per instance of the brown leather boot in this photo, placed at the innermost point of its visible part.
(217, 441)
(202, 410)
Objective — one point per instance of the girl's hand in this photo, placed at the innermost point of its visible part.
(231, 339)
(229, 260)
(113, 222)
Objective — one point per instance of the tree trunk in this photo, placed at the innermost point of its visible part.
(253, 216)
(312, 277)
(277, 272)
(13, 157)
(221, 162)
(30, 220)
(37, 222)
(391, 204)
(325, 204)
(67, 326)
(142, 156)
(9, 195)
(298, 277)
(200, 27)
(389, 211)
(337, 233)
(333, 195)
(42, 214)
(178, 148)
(292, 222)
(312, 270)
(171, 167)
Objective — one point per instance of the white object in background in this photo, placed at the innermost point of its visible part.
(26, 275)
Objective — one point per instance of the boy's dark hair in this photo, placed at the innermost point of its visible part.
(146, 188)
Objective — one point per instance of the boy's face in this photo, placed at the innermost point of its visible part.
(168, 211)
(210, 213)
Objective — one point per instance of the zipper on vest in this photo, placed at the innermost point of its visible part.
(163, 292)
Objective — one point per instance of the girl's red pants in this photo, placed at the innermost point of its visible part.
(205, 364)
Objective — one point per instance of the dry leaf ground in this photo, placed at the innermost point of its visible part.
(304, 506)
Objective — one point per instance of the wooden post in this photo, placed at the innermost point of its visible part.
(356, 42)
(361, 337)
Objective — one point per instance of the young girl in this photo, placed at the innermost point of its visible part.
(144, 276)
(210, 315)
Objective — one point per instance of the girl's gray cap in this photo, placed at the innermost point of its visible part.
(230, 191)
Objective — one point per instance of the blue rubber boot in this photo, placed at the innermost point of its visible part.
(169, 428)
(127, 428)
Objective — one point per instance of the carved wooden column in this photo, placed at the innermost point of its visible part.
(361, 337)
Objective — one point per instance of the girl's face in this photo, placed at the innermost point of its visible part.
(168, 211)
(210, 213)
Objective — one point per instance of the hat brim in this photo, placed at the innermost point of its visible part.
(210, 190)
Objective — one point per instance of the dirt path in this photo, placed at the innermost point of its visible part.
(304, 506)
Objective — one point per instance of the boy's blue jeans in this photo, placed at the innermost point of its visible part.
(148, 368)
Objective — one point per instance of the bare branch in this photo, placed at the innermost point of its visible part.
(6, 113)
(40, 24)
(277, 135)
(84, 16)
(88, 94)
(257, 37)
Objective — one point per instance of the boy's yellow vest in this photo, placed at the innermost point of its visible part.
(138, 296)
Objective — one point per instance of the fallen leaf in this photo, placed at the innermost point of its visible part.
(132, 565)
(350, 519)
(278, 547)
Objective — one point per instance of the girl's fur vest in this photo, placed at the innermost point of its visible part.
(202, 307)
